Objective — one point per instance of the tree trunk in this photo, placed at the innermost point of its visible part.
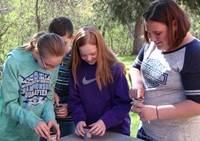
(137, 36)
(37, 15)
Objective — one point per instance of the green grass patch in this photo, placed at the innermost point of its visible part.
(128, 60)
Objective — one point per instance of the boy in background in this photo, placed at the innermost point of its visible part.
(64, 28)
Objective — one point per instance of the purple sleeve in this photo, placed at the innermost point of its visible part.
(121, 101)
(75, 103)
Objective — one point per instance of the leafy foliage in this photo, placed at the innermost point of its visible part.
(118, 20)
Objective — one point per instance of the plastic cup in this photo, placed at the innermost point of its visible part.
(138, 100)
(53, 136)
(58, 107)
(87, 135)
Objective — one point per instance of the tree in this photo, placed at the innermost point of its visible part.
(116, 35)
(192, 9)
(129, 13)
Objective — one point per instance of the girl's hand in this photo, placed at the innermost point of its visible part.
(63, 112)
(145, 112)
(56, 98)
(42, 129)
(79, 128)
(98, 128)
(136, 93)
(52, 124)
(137, 87)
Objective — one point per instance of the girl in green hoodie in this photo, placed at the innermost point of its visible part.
(28, 78)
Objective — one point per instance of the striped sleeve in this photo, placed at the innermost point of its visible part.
(190, 74)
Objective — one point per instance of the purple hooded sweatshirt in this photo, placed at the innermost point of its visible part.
(111, 104)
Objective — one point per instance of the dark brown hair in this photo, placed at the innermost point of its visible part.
(167, 12)
(61, 26)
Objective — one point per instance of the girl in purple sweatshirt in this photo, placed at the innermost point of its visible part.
(99, 92)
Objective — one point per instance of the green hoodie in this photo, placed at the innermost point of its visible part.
(26, 96)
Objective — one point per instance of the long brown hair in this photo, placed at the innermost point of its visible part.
(105, 56)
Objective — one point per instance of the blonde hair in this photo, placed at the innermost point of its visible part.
(105, 56)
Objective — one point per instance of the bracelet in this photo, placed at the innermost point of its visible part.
(157, 112)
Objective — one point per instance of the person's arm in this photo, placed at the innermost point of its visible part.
(184, 109)
(48, 111)
(10, 95)
(56, 99)
(121, 103)
(137, 88)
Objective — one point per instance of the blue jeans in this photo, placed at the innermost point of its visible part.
(142, 135)
(66, 128)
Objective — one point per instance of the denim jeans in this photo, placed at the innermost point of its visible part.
(66, 128)
(142, 135)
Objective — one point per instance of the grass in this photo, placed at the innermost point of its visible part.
(128, 60)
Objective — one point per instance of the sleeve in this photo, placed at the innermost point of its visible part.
(48, 111)
(138, 61)
(10, 91)
(190, 74)
(75, 103)
(121, 103)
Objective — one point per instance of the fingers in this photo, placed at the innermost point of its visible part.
(136, 109)
(139, 111)
(102, 133)
(57, 130)
(56, 98)
(98, 128)
(145, 112)
(97, 131)
(140, 93)
(42, 129)
(52, 124)
(80, 131)
(62, 112)
(41, 134)
(136, 93)
(137, 104)
(133, 93)
(79, 128)
(132, 109)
